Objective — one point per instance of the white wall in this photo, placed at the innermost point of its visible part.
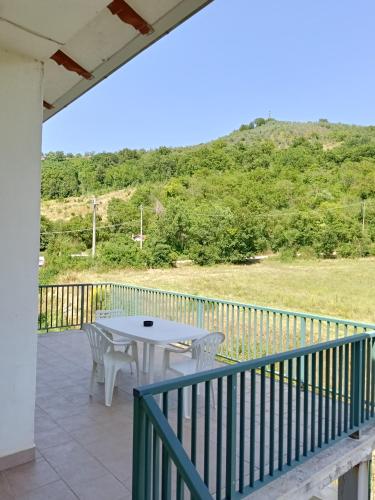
(20, 144)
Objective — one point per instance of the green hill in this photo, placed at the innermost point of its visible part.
(271, 186)
(282, 134)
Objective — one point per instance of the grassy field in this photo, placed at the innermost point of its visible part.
(342, 288)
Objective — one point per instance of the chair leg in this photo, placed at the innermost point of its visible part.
(134, 347)
(165, 364)
(137, 369)
(109, 382)
(100, 374)
(92, 378)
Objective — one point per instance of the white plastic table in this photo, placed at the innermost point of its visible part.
(161, 332)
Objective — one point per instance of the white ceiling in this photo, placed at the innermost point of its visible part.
(88, 33)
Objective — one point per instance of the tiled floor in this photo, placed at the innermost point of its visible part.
(84, 449)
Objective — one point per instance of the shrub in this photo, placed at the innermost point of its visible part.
(160, 255)
(121, 251)
(204, 255)
(287, 254)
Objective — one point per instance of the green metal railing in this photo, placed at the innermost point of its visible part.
(304, 382)
(71, 305)
(270, 415)
(251, 331)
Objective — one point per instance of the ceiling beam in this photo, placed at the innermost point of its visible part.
(162, 26)
(68, 63)
(47, 105)
(129, 16)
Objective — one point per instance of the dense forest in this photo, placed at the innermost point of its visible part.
(270, 187)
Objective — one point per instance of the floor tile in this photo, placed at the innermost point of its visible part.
(57, 490)
(102, 488)
(4, 488)
(48, 438)
(30, 476)
(73, 463)
(84, 446)
(75, 422)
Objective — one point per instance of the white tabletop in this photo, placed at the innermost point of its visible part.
(161, 332)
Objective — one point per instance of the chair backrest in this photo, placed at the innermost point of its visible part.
(108, 313)
(99, 343)
(205, 349)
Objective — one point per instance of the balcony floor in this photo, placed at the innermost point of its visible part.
(83, 448)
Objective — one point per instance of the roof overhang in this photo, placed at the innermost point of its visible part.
(81, 42)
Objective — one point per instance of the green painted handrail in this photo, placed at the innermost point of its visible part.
(254, 364)
(325, 392)
(251, 331)
(173, 446)
(311, 376)
(258, 307)
(203, 298)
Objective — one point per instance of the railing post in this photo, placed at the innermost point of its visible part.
(139, 455)
(230, 482)
(82, 308)
(303, 344)
(112, 295)
(200, 313)
(303, 332)
(357, 359)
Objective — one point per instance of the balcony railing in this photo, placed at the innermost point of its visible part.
(271, 414)
(251, 331)
(305, 382)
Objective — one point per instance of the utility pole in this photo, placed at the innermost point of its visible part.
(94, 205)
(141, 239)
(363, 216)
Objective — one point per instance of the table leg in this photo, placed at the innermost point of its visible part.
(145, 356)
(151, 349)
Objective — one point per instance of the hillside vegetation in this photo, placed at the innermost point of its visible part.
(291, 188)
(57, 210)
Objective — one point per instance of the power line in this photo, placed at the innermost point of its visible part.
(256, 216)
(83, 230)
(299, 212)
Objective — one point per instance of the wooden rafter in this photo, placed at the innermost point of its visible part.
(128, 15)
(47, 105)
(68, 63)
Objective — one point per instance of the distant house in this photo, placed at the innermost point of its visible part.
(138, 237)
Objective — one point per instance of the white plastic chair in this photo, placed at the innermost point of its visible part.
(108, 313)
(203, 356)
(122, 342)
(113, 313)
(104, 355)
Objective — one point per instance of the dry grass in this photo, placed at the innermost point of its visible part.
(341, 288)
(81, 205)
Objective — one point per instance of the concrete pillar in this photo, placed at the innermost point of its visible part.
(353, 485)
(20, 150)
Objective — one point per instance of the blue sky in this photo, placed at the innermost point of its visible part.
(232, 62)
